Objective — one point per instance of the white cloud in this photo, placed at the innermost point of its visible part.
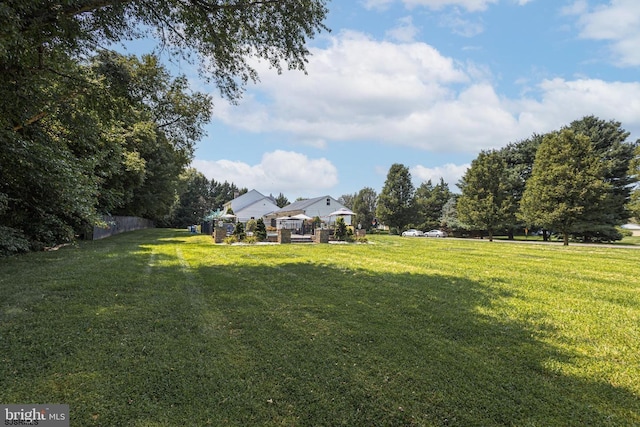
(409, 94)
(470, 5)
(405, 31)
(450, 172)
(618, 23)
(460, 25)
(278, 171)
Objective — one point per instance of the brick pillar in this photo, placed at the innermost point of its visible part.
(219, 234)
(321, 236)
(361, 233)
(284, 236)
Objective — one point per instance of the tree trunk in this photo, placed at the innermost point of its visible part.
(565, 237)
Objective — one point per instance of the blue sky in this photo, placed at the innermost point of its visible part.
(428, 84)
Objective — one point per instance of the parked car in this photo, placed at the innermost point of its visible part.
(435, 233)
(412, 232)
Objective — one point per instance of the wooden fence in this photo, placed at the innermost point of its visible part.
(119, 224)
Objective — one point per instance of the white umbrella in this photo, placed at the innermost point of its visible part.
(228, 215)
(342, 211)
(301, 216)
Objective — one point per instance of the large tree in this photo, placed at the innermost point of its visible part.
(566, 181)
(615, 154)
(395, 202)
(364, 206)
(77, 138)
(485, 203)
(224, 34)
(634, 170)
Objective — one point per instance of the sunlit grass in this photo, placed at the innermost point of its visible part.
(164, 328)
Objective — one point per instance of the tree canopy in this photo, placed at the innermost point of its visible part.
(85, 131)
(485, 203)
(566, 182)
(395, 202)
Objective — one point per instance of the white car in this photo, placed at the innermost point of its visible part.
(412, 232)
(435, 233)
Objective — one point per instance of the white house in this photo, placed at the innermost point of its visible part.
(252, 204)
(634, 228)
(322, 207)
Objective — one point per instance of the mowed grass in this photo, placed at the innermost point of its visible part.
(163, 328)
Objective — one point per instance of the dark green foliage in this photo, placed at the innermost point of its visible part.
(341, 230)
(519, 158)
(193, 203)
(565, 184)
(347, 200)
(395, 203)
(364, 206)
(84, 132)
(281, 201)
(12, 242)
(261, 230)
(238, 232)
(485, 203)
(599, 221)
(429, 201)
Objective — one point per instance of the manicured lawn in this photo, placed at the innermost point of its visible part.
(163, 328)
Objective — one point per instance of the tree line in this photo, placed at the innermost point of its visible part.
(579, 182)
(86, 131)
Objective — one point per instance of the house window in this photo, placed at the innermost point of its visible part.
(328, 202)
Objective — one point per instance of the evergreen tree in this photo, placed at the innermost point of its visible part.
(364, 206)
(485, 203)
(566, 181)
(261, 230)
(430, 200)
(395, 203)
(281, 201)
(519, 158)
(599, 221)
(634, 171)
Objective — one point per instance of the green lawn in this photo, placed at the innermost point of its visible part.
(163, 328)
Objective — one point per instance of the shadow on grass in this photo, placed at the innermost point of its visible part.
(294, 344)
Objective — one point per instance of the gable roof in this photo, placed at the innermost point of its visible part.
(301, 205)
(247, 199)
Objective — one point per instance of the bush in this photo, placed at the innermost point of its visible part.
(230, 240)
(261, 230)
(341, 229)
(251, 225)
(12, 242)
(251, 240)
(239, 232)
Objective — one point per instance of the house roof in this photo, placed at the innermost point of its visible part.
(248, 199)
(302, 205)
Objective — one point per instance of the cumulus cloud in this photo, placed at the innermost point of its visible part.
(450, 172)
(404, 31)
(409, 94)
(618, 23)
(278, 171)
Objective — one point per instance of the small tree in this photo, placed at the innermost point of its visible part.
(261, 230)
(341, 232)
(251, 225)
(238, 231)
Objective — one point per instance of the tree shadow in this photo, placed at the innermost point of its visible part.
(299, 343)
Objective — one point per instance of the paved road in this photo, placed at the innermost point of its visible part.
(555, 243)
